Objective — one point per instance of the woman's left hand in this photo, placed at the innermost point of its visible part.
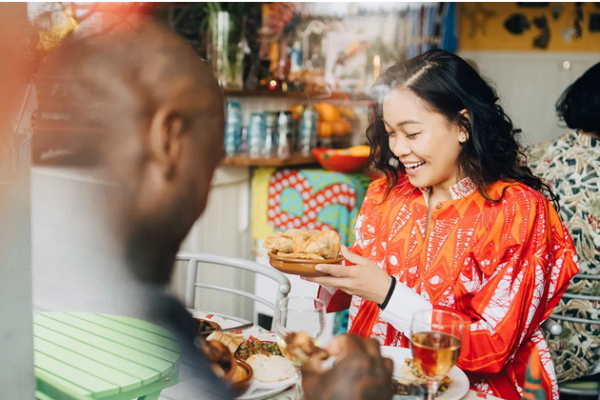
(363, 279)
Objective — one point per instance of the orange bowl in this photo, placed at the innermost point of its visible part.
(241, 380)
(299, 266)
(344, 163)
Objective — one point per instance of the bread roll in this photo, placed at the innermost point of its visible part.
(271, 368)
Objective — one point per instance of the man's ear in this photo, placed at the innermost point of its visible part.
(166, 130)
(463, 135)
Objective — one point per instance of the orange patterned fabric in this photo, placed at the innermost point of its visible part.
(502, 266)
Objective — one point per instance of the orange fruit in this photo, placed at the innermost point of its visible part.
(325, 129)
(327, 112)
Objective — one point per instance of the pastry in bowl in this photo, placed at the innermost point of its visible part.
(297, 252)
(279, 242)
(309, 245)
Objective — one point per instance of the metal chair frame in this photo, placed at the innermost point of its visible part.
(193, 259)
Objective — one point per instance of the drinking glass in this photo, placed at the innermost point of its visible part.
(299, 323)
(435, 338)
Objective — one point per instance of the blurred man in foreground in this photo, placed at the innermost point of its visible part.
(130, 133)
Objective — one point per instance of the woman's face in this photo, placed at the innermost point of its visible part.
(423, 140)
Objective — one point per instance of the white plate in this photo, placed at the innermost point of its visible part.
(459, 387)
(260, 390)
(225, 322)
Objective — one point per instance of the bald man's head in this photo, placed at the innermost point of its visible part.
(91, 88)
(143, 108)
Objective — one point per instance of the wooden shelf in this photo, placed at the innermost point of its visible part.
(338, 96)
(244, 160)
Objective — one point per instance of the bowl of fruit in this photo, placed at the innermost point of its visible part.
(346, 161)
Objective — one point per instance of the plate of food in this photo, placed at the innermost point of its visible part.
(453, 387)
(206, 327)
(297, 252)
(252, 346)
(267, 373)
(272, 375)
(209, 322)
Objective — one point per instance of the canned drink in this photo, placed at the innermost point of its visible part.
(232, 140)
(234, 112)
(233, 128)
(244, 145)
(284, 144)
(256, 134)
(271, 134)
(307, 135)
(292, 128)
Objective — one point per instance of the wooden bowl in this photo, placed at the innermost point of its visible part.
(298, 266)
(240, 386)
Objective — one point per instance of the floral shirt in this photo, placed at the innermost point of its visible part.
(571, 166)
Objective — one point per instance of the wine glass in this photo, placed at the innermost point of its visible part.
(299, 323)
(435, 339)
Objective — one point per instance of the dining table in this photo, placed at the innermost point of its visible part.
(93, 356)
(256, 332)
(97, 356)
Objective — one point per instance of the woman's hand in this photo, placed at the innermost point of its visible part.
(363, 279)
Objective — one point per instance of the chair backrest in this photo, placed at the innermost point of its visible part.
(577, 296)
(193, 259)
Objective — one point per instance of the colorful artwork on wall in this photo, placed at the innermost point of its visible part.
(565, 27)
(478, 17)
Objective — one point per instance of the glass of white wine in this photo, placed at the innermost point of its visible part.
(435, 339)
(299, 322)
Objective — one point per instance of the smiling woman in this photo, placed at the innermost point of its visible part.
(457, 223)
(438, 107)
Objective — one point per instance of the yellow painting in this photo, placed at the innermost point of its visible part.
(552, 27)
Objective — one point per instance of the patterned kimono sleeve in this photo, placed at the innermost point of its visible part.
(524, 261)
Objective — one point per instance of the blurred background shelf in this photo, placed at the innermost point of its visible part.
(244, 160)
(334, 96)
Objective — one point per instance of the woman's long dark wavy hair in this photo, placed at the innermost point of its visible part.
(448, 84)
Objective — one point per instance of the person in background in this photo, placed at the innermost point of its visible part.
(130, 133)
(571, 166)
(457, 223)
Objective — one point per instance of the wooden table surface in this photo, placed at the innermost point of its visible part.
(103, 356)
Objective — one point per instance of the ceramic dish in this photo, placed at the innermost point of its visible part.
(241, 386)
(338, 162)
(298, 266)
(260, 390)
